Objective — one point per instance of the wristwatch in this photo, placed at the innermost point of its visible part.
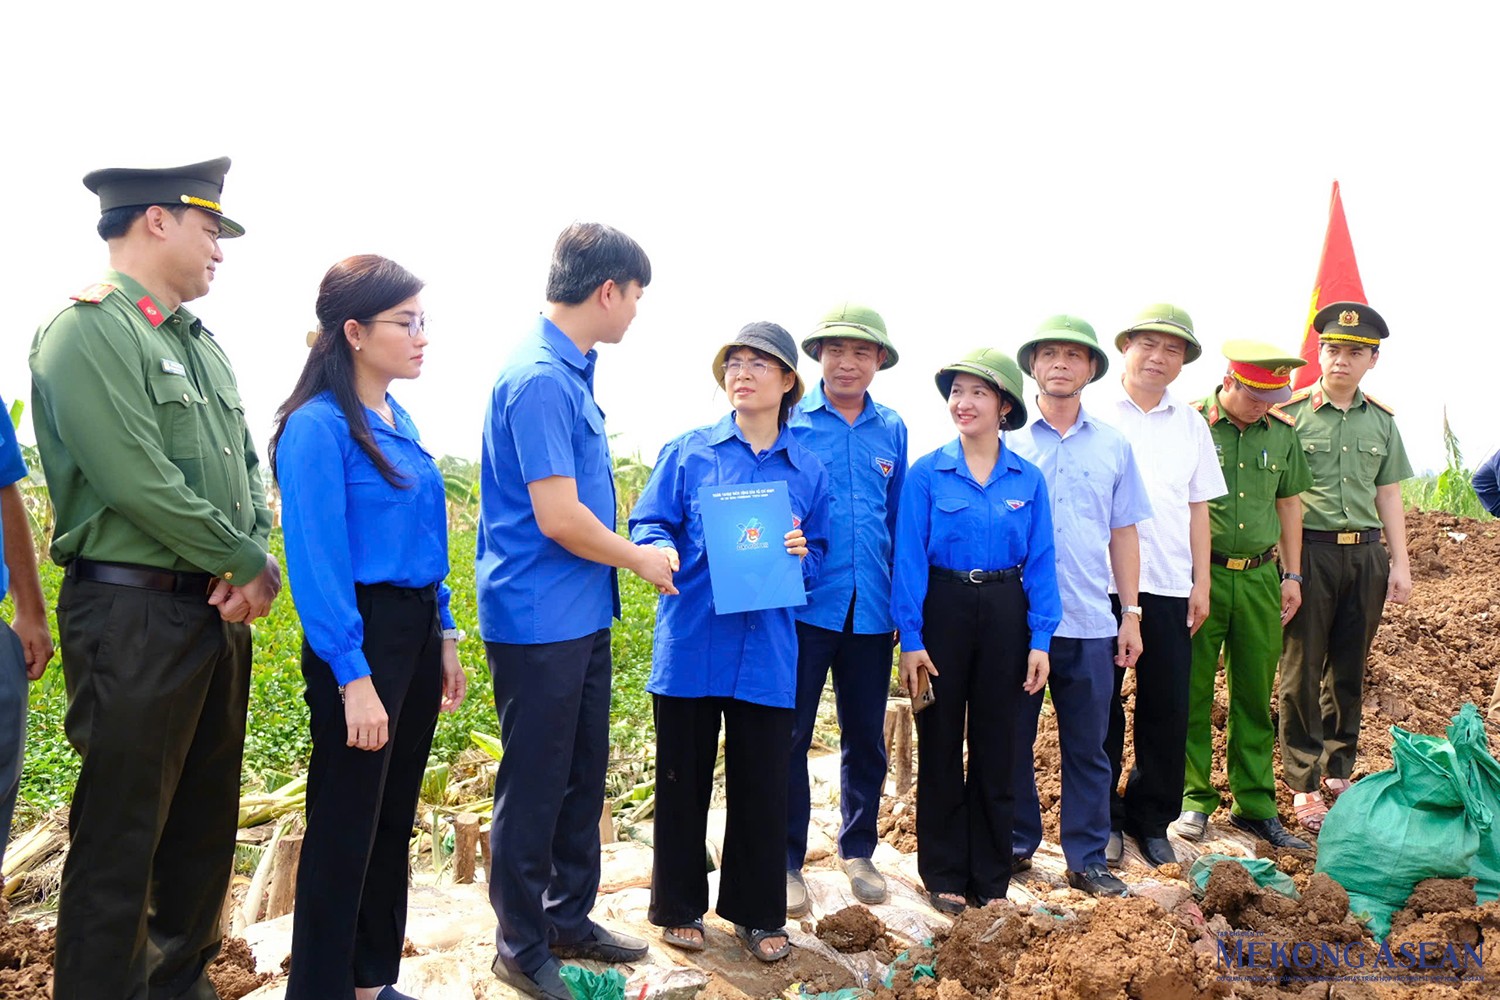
(1131, 609)
(454, 633)
(1294, 577)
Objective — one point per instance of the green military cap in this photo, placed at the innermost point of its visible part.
(996, 368)
(197, 184)
(853, 322)
(1263, 369)
(1163, 317)
(1350, 323)
(1069, 329)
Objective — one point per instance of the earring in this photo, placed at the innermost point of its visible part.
(357, 347)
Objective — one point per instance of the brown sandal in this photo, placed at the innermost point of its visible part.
(1310, 810)
(1336, 787)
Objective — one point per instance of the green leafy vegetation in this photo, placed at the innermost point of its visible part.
(1451, 490)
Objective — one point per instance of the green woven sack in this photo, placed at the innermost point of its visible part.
(1483, 773)
(1422, 819)
(1263, 870)
(586, 985)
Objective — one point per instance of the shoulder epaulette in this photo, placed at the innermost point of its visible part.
(1384, 406)
(1299, 395)
(95, 293)
(1197, 404)
(1275, 412)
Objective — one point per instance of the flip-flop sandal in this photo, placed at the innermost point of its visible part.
(951, 903)
(670, 935)
(752, 937)
(1336, 787)
(1310, 810)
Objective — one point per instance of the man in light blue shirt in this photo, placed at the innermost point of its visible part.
(547, 590)
(846, 624)
(1098, 497)
(26, 643)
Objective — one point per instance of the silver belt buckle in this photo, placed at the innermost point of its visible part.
(973, 578)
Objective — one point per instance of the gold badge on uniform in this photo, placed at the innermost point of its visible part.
(1282, 371)
(1348, 318)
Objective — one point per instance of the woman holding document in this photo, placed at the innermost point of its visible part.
(974, 595)
(740, 666)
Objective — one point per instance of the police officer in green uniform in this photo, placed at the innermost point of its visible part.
(1255, 526)
(163, 529)
(1352, 445)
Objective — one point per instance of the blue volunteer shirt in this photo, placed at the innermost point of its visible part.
(1095, 487)
(949, 521)
(749, 655)
(542, 421)
(344, 524)
(12, 470)
(866, 463)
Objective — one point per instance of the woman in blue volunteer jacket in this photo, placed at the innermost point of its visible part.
(365, 522)
(739, 666)
(974, 595)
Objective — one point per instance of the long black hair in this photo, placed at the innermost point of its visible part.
(355, 288)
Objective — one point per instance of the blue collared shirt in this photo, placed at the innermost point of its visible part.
(1095, 488)
(866, 463)
(949, 521)
(748, 655)
(12, 470)
(542, 421)
(345, 524)
(1487, 484)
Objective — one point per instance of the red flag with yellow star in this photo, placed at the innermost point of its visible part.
(1338, 281)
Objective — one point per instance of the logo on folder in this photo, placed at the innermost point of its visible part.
(750, 536)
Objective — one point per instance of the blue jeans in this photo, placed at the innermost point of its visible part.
(12, 726)
(861, 667)
(1082, 683)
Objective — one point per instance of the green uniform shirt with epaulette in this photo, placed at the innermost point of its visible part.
(1261, 464)
(143, 440)
(1351, 454)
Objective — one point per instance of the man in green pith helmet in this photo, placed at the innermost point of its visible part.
(1358, 461)
(1256, 538)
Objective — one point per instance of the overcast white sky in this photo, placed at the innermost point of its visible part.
(965, 169)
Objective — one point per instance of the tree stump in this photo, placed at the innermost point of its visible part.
(465, 845)
(284, 876)
(607, 824)
(489, 865)
(898, 727)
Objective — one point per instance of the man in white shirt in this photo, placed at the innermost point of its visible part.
(1177, 459)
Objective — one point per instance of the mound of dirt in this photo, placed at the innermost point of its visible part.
(233, 973)
(897, 823)
(854, 929)
(25, 959)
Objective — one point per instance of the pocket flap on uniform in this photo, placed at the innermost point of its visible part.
(166, 388)
(230, 397)
(949, 505)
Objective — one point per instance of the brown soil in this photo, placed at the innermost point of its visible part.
(25, 958)
(233, 972)
(897, 823)
(853, 929)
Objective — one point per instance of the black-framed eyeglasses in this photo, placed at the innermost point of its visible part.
(415, 325)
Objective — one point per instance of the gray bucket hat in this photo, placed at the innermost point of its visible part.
(770, 338)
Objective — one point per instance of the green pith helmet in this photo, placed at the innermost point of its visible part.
(1066, 328)
(1163, 317)
(854, 322)
(996, 368)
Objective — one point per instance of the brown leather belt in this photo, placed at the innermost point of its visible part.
(975, 576)
(1233, 563)
(1342, 537)
(142, 577)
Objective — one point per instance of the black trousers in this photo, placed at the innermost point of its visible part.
(977, 638)
(752, 870)
(350, 920)
(157, 689)
(1323, 659)
(1153, 793)
(553, 703)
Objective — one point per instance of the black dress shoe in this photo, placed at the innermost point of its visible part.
(545, 983)
(604, 945)
(1019, 863)
(1271, 831)
(1157, 851)
(1097, 881)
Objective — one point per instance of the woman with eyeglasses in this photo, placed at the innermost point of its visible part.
(365, 521)
(974, 595)
(738, 667)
